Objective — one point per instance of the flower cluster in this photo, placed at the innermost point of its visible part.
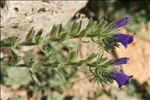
(124, 39)
(121, 78)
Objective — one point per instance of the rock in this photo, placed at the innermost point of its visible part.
(17, 17)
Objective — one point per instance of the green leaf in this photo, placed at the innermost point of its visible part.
(17, 75)
(58, 97)
(38, 36)
(14, 58)
(91, 26)
(63, 36)
(29, 60)
(46, 49)
(73, 55)
(108, 43)
(55, 32)
(30, 35)
(10, 41)
(101, 75)
(75, 28)
(100, 68)
(34, 78)
(91, 58)
(83, 33)
(60, 74)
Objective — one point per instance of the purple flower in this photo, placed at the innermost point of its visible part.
(121, 79)
(124, 39)
(121, 22)
(120, 61)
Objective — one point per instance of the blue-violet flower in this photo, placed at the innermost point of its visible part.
(124, 39)
(121, 22)
(121, 79)
(120, 61)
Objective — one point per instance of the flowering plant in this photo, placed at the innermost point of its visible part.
(102, 69)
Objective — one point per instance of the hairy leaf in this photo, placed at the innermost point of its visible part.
(38, 36)
(10, 41)
(30, 35)
(14, 58)
(55, 32)
(75, 28)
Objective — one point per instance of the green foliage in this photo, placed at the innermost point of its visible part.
(55, 32)
(101, 69)
(75, 28)
(73, 55)
(14, 59)
(34, 78)
(52, 63)
(33, 38)
(38, 38)
(91, 25)
(108, 43)
(30, 61)
(16, 75)
(138, 10)
(10, 41)
(53, 70)
(30, 35)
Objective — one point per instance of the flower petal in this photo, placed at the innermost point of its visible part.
(121, 22)
(120, 61)
(124, 39)
(121, 79)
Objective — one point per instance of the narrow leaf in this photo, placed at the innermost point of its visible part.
(63, 36)
(73, 55)
(83, 33)
(10, 41)
(30, 36)
(60, 74)
(14, 58)
(55, 32)
(38, 36)
(91, 57)
(75, 28)
(91, 26)
(34, 78)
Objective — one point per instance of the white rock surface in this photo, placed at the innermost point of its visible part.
(17, 17)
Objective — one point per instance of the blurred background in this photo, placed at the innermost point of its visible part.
(16, 84)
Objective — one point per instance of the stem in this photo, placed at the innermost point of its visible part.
(81, 79)
(48, 40)
(26, 44)
(19, 65)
